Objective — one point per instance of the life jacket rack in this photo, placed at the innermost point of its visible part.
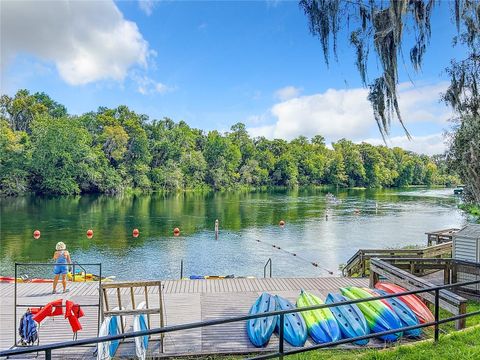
(36, 307)
(124, 296)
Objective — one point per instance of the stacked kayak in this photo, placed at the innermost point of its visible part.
(321, 324)
(421, 310)
(260, 330)
(404, 313)
(110, 326)
(294, 328)
(350, 319)
(140, 324)
(378, 315)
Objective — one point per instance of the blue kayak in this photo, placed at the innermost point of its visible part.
(350, 319)
(294, 328)
(260, 330)
(404, 313)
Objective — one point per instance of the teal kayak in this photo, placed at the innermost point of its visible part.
(260, 330)
(294, 328)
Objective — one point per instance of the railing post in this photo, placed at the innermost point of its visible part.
(280, 333)
(436, 313)
(181, 269)
(73, 272)
(48, 354)
(270, 267)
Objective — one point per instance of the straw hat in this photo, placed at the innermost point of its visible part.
(60, 246)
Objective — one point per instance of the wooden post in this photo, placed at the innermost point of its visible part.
(460, 324)
(161, 314)
(374, 278)
(216, 229)
(146, 302)
(446, 274)
(120, 307)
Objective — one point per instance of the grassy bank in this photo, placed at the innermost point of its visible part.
(458, 345)
(472, 209)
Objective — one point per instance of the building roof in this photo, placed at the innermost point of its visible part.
(470, 231)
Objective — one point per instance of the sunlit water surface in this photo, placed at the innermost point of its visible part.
(248, 229)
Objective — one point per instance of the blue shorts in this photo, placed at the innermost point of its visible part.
(60, 270)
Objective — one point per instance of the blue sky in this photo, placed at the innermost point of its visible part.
(213, 64)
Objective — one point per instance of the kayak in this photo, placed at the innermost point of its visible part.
(404, 313)
(321, 323)
(421, 310)
(350, 319)
(378, 315)
(209, 277)
(294, 328)
(110, 326)
(260, 330)
(11, 280)
(140, 324)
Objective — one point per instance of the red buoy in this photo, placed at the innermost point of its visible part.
(89, 233)
(36, 234)
(135, 233)
(176, 231)
(281, 223)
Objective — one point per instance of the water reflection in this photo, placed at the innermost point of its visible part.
(362, 218)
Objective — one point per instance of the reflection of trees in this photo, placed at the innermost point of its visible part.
(113, 218)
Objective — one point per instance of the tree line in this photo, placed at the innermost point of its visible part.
(45, 150)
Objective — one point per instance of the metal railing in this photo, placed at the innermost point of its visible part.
(269, 262)
(281, 351)
(17, 305)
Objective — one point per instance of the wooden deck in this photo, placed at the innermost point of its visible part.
(185, 301)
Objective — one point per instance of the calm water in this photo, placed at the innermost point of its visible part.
(387, 218)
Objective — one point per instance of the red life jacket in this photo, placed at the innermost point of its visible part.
(73, 312)
(53, 308)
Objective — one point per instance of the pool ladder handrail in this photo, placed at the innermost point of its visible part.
(269, 262)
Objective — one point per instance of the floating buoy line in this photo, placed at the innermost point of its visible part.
(291, 253)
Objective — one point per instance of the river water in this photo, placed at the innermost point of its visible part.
(248, 229)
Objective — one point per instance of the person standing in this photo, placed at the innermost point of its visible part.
(62, 260)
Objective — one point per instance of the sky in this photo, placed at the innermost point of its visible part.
(213, 64)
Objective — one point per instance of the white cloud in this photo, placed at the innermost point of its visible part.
(147, 86)
(203, 26)
(287, 92)
(429, 144)
(86, 40)
(146, 6)
(347, 113)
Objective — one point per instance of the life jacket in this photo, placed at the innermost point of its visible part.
(73, 312)
(28, 329)
(53, 308)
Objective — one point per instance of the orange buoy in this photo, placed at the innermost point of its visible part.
(89, 233)
(176, 231)
(36, 234)
(135, 233)
(281, 223)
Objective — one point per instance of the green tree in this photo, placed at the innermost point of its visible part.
(61, 155)
(14, 160)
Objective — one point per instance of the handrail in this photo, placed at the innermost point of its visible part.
(81, 267)
(269, 261)
(363, 254)
(48, 348)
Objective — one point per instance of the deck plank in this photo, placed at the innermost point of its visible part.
(185, 301)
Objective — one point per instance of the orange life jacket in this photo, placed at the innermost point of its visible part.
(53, 308)
(73, 312)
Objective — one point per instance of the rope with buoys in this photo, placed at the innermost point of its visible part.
(293, 254)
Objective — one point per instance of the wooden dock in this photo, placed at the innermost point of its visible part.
(185, 301)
